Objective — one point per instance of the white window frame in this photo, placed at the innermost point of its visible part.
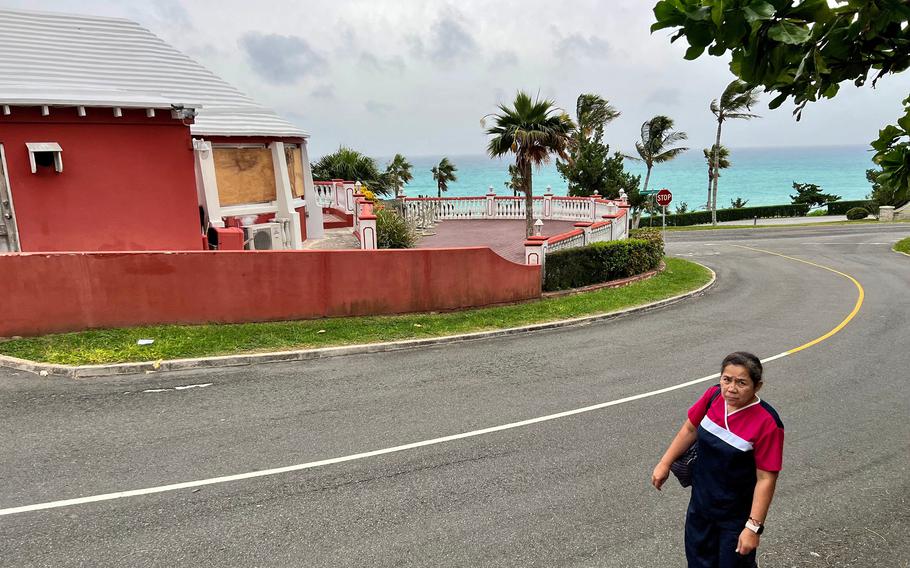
(35, 147)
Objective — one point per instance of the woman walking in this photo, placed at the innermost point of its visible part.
(740, 451)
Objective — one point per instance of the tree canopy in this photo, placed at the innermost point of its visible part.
(589, 167)
(805, 49)
(351, 165)
(800, 49)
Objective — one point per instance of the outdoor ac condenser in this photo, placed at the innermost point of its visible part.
(263, 236)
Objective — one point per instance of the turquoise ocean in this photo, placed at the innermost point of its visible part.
(764, 176)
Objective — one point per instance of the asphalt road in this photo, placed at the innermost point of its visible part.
(572, 491)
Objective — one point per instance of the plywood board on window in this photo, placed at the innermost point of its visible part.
(295, 169)
(244, 175)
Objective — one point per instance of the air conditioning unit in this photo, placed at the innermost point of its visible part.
(263, 236)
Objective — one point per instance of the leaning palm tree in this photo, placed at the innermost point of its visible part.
(443, 173)
(532, 130)
(399, 172)
(723, 163)
(736, 98)
(655, 147)
(657, 137)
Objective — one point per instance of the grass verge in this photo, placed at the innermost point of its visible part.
(903, 246)
(722, 227)
(182, 341)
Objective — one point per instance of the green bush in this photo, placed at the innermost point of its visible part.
(649, 234)
(392, 231)
(818, 213)
(600, 262)
(857, 213)
(841, 207)
(704, 217)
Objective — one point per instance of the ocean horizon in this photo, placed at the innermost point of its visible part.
(761, 175)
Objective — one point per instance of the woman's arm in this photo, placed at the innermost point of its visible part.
(683, 440)
(761, 502)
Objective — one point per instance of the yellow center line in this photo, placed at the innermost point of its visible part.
(841, 325)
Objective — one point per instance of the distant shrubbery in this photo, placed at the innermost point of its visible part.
(704, 217)
(602, 262)
(857, 213)
(841, 207)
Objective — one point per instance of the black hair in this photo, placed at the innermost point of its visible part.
(747, 360)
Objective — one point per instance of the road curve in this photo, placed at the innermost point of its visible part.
(567, 492)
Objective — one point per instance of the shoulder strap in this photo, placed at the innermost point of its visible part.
(714, 396)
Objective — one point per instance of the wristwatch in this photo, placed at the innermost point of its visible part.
(757, 528)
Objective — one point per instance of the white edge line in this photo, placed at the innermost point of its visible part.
(352, 457)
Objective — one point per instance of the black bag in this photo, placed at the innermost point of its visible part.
(683, 466)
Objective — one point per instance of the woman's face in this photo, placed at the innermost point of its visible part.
(737, 387)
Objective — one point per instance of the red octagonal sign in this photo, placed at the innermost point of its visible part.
(664, 197)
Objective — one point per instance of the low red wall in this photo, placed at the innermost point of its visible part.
(56, 292)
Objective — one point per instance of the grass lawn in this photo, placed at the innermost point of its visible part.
(181, 341)
(903, 245)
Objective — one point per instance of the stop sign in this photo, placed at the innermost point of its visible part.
(664, 197)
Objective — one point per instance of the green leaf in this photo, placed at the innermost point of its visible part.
(904, 122)
(699, 34)
(717, 12)
(777, 101)
(699, 15)
(820, 65)
(811, 11)
(758, 10)
(717, 50)
(668, 15)
(886, 137)
(694, 52)
(790, 33)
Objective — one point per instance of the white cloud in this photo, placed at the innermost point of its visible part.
(390, 76)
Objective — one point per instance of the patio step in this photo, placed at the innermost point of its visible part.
(335, 219)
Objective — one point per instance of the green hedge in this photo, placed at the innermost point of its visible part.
(743, 213)
(857, 213)
(841, 207)
(600, 262)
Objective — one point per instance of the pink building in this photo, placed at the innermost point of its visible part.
(111, 139)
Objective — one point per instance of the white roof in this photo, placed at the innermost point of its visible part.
(63, 59)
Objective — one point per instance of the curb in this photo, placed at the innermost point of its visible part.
(87, 371)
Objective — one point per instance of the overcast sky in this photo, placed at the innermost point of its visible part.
(416, 77)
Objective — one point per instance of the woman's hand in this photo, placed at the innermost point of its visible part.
(659, 475)
(748, 541)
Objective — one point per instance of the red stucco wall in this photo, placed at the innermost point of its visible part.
(46, 293)
(128, 183)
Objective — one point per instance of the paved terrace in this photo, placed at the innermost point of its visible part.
(505, 237)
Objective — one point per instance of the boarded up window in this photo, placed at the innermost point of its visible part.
(244, 175)
(295, 171)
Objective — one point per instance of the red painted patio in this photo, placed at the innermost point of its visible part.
(505, 237)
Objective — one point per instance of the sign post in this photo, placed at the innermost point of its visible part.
(664, 197)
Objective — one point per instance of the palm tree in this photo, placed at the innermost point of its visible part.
(351, 165)
(723, 163)
(532, 130)
(737, 97)
(443, 173)
(399, 172)
(655, 147)
(514, 183)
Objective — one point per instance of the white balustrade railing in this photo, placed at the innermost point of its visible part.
(509, 208)
(559, 243)
(571, 209)
(603, 231)
(462, 208)
(325, 193)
